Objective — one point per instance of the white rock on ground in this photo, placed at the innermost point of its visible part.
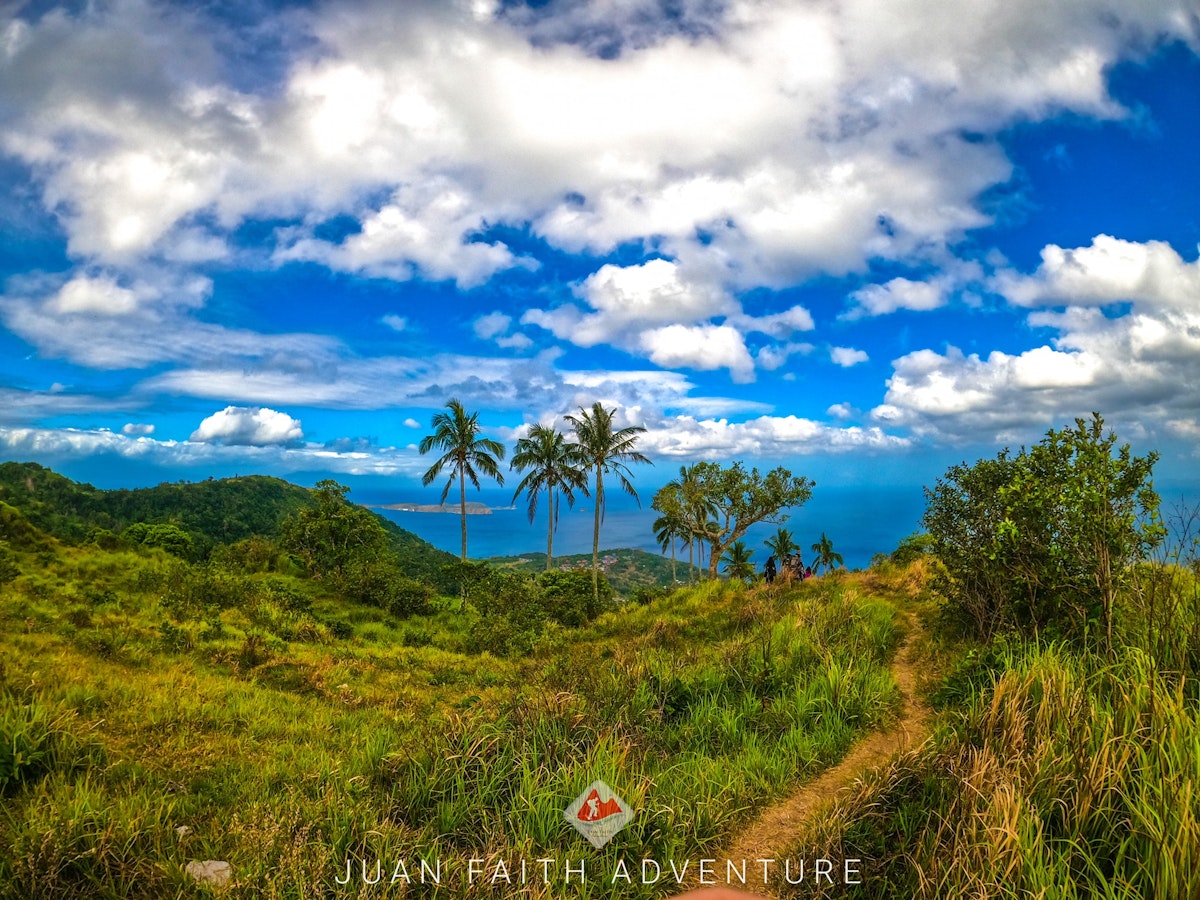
(211, 871)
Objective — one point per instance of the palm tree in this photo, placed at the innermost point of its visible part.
(668, 528)
(604, 450)
(825, 555)
(782, 545)
(554, 467)
(458, 434)
(737, 561)
(696, 510)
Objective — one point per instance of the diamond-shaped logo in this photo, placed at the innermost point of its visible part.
(598, 814)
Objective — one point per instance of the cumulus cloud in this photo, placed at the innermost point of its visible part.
(1141, 364)
(772, 139)
(847, 356)
(249, 426)
(136, 429)
(1108, 271)
(660, 311)
(899, 293)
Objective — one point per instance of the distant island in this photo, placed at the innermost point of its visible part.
(474, 508)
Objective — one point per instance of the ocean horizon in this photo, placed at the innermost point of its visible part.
(860, 521)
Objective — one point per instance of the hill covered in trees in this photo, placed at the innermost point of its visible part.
(211, 513)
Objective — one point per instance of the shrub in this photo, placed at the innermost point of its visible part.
(1043, 541)
(568, 597)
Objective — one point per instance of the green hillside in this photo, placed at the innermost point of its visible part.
(627, 570)
(212, 512)
(155, 712)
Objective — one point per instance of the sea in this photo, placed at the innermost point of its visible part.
(860, 522)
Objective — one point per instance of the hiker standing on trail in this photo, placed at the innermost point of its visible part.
(769, 569)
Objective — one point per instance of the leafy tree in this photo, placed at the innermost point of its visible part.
(741, 499)
(782, 545)
(334, 535)
(1046, 540)
(737, 561)
(554, 467)
(457, 434)
(605, 451)
(826, 557)
(169, 537)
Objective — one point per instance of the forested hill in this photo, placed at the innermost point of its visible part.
(213, 512)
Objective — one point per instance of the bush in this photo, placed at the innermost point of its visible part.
(381, 584)
(1043, 541)
(568, 597)
(911, 548)
(168, 537)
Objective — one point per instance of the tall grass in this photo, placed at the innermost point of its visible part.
(286, 750)
(1071, 777)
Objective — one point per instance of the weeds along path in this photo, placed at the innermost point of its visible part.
(782, 823)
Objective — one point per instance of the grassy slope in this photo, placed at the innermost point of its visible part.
(285, 750)
(1055, 772)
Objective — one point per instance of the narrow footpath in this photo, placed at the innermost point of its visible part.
(781, 824)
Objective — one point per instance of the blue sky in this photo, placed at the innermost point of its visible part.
(863, 240)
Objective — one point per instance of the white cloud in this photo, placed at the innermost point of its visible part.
(766, 436)
(899, 293)
(249, 426)
(395, 322)
(411, 423)
(1109, 271)
(491, 325)
(95, 321)
(136, 429)
(699, 347)
(424, 232)
(847, 356)
(660, 311)
(773, 356)
(514, 342)
(842, 411)
(772, 140)
(73, 443)
(1126, 343)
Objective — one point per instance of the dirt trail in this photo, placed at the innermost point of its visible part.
(778, 825)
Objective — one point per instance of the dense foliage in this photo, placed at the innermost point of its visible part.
(718, 504)
(193, 520)
(1044, 541)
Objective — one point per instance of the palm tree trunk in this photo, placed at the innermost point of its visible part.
(674, 577)
(462, 493)
(550, 528)
(596, 538)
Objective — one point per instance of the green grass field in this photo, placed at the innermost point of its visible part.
(146, 727)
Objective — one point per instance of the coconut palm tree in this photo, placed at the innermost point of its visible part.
(737, 561)
(554, 467)
(825, 555)
(782, 545)
(668, 528)
(605, 450)
(457, 434)
(696, 510)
